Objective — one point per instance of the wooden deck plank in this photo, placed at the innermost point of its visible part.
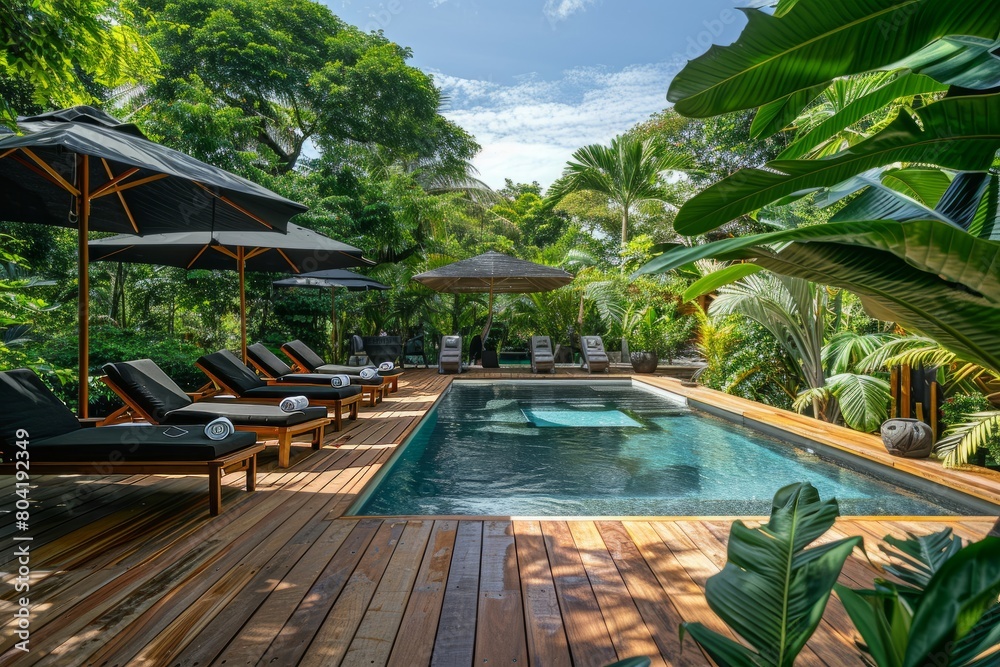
(415, 640)
(374, 639)
(547, 644)
(589, 639)
(629, 633)
(456, 636)
(501, 614)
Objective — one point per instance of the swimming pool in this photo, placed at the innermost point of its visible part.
(607, 449)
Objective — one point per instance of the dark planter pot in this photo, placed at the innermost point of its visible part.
(644, 362)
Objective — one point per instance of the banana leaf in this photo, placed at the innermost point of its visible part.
(929, 277)
(961, 133)
(776, 116)
(904, 86)
(959, 61)
(817, 41)
(773, 590)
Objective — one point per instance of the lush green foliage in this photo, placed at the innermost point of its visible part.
(942, 606)
(774, 589)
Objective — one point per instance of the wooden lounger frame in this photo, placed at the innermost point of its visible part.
(371, 394)
(133, 412)
(338, 405)
(242, 459)
(392, 381)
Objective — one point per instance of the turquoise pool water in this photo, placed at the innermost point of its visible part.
(559, 449)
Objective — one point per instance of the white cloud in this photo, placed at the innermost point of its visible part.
(530, 129)
(560, 10)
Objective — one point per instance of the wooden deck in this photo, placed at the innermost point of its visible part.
(133, 571)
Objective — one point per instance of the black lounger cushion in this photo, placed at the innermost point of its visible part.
(269, 361)
(311, 392)
(147, 385)
(137, 443)
(304, 353)
(227, 366)
(243, 414)
(26, 403)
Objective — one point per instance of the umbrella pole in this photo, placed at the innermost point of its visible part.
(489, 317)
(241, 260)
(83, 266)
(333, 325)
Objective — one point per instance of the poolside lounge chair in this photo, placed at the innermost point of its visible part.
(275, 371)
(450, 357)
(233, 377)
(595, 358)
(57, 444)
(150, 395)
(541, 355)
(305, 360)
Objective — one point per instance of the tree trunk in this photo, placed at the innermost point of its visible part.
(625, 228)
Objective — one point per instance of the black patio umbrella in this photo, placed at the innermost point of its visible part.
(332, 279)
(494, 272)
(299, 250)
(82, 168)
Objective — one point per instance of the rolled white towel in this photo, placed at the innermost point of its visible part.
(368, 373)
(386, 366)
(294, 403)
(219, 429)
(340, 380)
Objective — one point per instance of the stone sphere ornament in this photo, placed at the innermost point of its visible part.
(909, 438)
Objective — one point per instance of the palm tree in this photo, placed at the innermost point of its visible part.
(627, 172)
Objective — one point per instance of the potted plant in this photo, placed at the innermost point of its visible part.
(646, 341)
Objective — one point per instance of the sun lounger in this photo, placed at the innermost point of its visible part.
(306, 360)
(541, 355)
(275, 371)
(450, 357)
(150, 395)
(57, 444)
(595, 358)
(233, 377)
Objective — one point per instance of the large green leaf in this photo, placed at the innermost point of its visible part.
(717, 279)
(960, 133)
(773, 590)
(916, 559)
(928, 276)
(959, 61)
(817, 41)
(868, 612)
(958, 596)
(927, 186)
(958, 205)
(904, 86)
(776, 116)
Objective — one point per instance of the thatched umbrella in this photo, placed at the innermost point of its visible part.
(494, 273)
(333, 279)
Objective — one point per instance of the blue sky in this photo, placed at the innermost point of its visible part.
(534, 80)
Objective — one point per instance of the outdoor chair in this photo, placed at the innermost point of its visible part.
(414, 347)
(233, 377)
(450, 357)
(275, 371)
(150, 395)
(476, 350)
(541, 355)
(356, 351)
(305, 360)
(595, 358)
(57, 443)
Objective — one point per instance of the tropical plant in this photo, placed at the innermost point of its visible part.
(628, 172)
(918, 252)
(942, 610)
(971, 424)
(773, 589)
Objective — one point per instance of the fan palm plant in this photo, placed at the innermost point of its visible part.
(628, 172)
